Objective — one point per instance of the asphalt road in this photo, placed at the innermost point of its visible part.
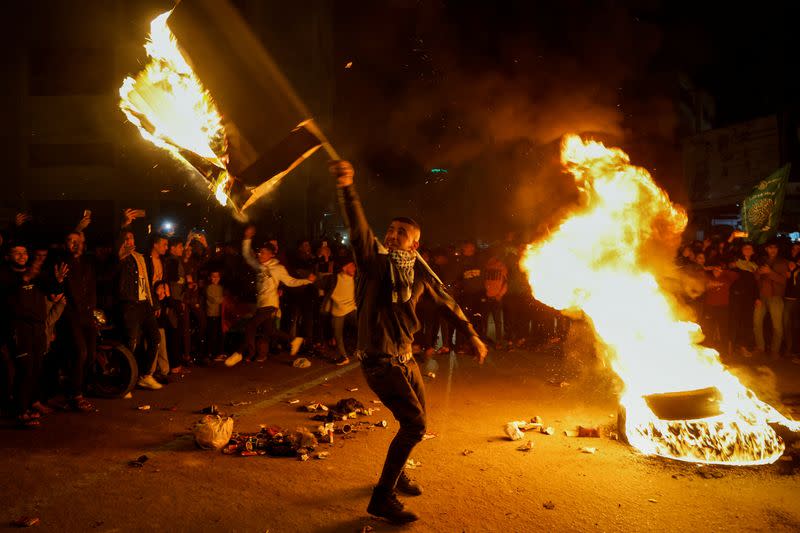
(73, 472)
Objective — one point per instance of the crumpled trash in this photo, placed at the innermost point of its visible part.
(512, 430)
(301, 362)
(213, 432)
(143, 408)
(549, 430)
(138, 463)
(210, 410)
(587, 449)
(467, 452)
(528, 446)
(316, 407)
(412, 464)
(549, 505)
(588, 432)
(26, 521)
(570, 433)
(322, 455)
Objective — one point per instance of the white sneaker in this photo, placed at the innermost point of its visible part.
(234, 359)
(149, 382)
(296, 343)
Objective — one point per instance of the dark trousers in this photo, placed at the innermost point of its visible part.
(516, 316)
(27, 348)
(139, 319)
(339, 323)
(265, 316)
(494, 309)
(80, 342)
(196, 325)
(400, 388)
(741, 321)
(184, 333)
(214, 339)
(716, 324)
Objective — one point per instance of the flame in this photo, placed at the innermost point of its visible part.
(172, 109)
(594, 263)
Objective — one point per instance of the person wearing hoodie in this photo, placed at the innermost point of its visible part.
(271, 273)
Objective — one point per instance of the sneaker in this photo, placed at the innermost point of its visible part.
(220, 357)
(296, 343)
(408, 486)
(148, 382)
(384, 504)
(234, 359)
(342, 361)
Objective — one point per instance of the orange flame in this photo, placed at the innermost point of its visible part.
(593, 263)
(170, 106)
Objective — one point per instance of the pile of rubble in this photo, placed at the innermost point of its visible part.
(345, 418)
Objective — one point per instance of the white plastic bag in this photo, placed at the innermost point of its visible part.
(213, 432)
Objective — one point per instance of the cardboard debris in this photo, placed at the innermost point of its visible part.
(512, 430)
(528, 446)
(588, 432)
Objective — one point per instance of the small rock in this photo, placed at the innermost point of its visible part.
(549, 505)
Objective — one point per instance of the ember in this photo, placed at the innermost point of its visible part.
(594, 263)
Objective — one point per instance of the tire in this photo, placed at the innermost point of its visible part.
(114, 372)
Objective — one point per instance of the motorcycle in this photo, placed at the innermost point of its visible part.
(114, 371)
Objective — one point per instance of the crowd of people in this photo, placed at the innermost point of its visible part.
(178, 302)
(744, 285)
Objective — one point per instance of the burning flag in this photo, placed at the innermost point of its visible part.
(679, 400)
(212, 96)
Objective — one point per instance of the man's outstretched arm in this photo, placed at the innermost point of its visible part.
(455, 316)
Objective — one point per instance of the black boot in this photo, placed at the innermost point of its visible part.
(408, 486)
(384, 503)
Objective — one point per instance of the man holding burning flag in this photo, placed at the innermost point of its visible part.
(391, 278)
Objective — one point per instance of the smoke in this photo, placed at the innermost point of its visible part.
(487, 92)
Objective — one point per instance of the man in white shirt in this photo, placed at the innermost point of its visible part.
(270, 274)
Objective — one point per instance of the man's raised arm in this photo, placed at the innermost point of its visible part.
(362, 239)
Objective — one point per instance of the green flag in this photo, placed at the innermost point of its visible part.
(761, 211)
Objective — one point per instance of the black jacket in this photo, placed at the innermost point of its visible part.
(385, 327)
